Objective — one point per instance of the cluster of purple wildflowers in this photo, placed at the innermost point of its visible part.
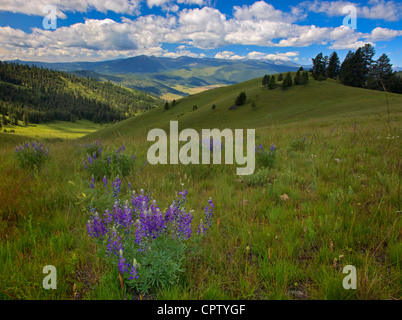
(266, 156)
(102, 163)
(37, 149)
(207, 222)
(31, 153)
(116, 187)
(260, 148)
(139, 221)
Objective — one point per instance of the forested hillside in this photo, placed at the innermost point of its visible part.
(35, 95)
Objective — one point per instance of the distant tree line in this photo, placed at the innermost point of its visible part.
(358, 70)
(301, 78)
(33, 95)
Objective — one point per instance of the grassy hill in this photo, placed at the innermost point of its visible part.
(331, 197)
(327, 100)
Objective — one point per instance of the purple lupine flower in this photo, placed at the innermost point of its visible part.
(208, 215)
(109, 160)
(90, 160)
(92, 182)
(85, 164)
(104, 181)
(133, 271)
(116, 187)
(108, 218)
(184, 220)
(95, 227)
(123, 266)
(273, 147)
(114, 243)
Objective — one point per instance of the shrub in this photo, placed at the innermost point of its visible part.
(146, 244)
(298, 145)
(32, 154)
(94, 148)
(110, 163)
(259, 178)
(265, 157)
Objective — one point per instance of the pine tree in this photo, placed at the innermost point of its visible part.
(297, 79)
(333, 66)
(25, 119)
(241, 99)
(304, 78)
(167, 106)
(280, 78)
(368, 53)
(353, 69)
(287, 82)
(265, 80)
(318, 71)
(272, 83)
(4, 121)
(380, 73)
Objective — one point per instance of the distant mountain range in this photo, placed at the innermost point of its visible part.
(171, 77)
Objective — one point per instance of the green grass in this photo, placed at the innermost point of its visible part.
(343, 187)
(56, 130)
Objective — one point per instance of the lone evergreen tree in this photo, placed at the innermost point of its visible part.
(241, 99)
(167, 106)
(280, 77)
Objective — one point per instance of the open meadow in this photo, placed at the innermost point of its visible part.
(330, 197)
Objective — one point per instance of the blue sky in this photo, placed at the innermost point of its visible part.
(280, 31)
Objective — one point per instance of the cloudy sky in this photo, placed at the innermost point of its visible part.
(94, 30)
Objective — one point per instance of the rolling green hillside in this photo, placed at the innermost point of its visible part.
(35, 95)
(327, 100)
(328, 198)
